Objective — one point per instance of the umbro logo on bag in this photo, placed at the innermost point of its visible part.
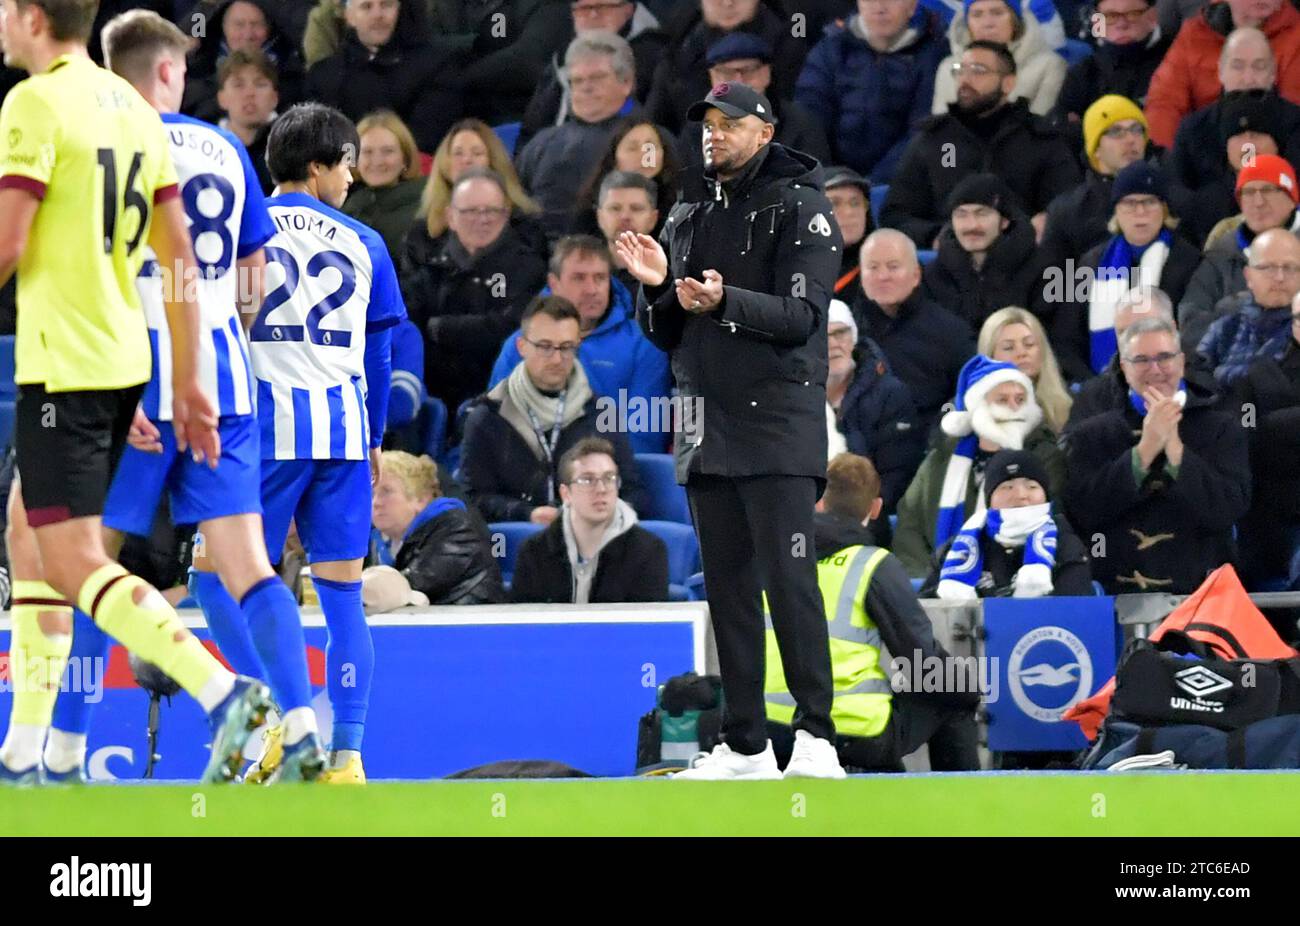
(1200, 681)
(819, 225)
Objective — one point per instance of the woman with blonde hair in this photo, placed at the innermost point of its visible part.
(468, 143)
(389, 168)
(1015, 335)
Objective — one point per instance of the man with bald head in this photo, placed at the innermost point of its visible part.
(1249, 119)
(925, 343)
(1188, 78)
(1262, 328)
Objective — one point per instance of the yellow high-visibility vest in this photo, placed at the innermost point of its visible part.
(862, 690)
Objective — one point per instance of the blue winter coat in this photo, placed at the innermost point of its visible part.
(617, 358)
(1235, 341)
(869, 101)
(878, 420)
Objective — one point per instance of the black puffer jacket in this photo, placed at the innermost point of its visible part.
(1021, 148)
(404, 76)
(1076, 221)
(467, 306)
(1011, 274)
(449, 558)
(756, 366)
(1165, 533)
(200, 100)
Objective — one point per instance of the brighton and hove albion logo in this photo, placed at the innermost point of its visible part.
(1049, 672)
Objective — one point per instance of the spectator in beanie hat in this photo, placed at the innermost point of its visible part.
(995, 409)
(1267, 192)
(987, 257)
(1142, 251)
(1114, 136)
(1018, 547)
(850, 196)
(1212, 146)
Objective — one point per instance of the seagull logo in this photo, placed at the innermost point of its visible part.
(1049, 675)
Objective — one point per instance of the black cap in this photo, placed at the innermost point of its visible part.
(736, 100)
(1250, 111)
(982, 190)
(1013, 464)
(846, 176)
(737, 45)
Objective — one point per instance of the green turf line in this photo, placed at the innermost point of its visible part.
(1102, 805)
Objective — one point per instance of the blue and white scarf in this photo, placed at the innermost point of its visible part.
(956, 483)
(1031, 527)
(1140, 404)
(1113, 278)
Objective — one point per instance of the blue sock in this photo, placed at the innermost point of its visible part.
(349, 660)
(226, 623)
(276, 629)
(72, 710)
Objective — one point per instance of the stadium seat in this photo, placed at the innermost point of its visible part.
(878, 193)
(667, 499)
(8, 389)
(1074, 51)
(433, 427)
(683, 552)
(926, 257)
(508, 132)
(514, 533)
(695, 586)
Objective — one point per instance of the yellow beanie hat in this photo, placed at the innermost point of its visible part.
(1101, 115)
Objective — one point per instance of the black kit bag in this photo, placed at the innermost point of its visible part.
(1179, 680)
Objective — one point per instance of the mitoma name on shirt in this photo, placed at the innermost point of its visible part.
(308, 222)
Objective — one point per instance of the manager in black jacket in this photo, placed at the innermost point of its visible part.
(738, 295)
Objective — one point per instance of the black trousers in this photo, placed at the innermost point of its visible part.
(756, 535)
(914, 721)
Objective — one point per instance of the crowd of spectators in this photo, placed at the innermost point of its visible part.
(1069, 231)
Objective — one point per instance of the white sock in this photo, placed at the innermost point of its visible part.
(342, 757)
(64, 751)
(297, 723)
(215, 690)
(22, 746)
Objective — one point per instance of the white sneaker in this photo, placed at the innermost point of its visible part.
(813, 757)
(724, 765)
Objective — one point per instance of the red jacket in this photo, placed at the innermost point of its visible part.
(1188, 78)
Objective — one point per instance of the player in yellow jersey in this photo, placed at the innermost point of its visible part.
(86, 179)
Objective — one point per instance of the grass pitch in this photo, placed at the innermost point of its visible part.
(1028, 804)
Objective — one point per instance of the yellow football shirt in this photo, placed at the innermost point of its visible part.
(95, 153)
